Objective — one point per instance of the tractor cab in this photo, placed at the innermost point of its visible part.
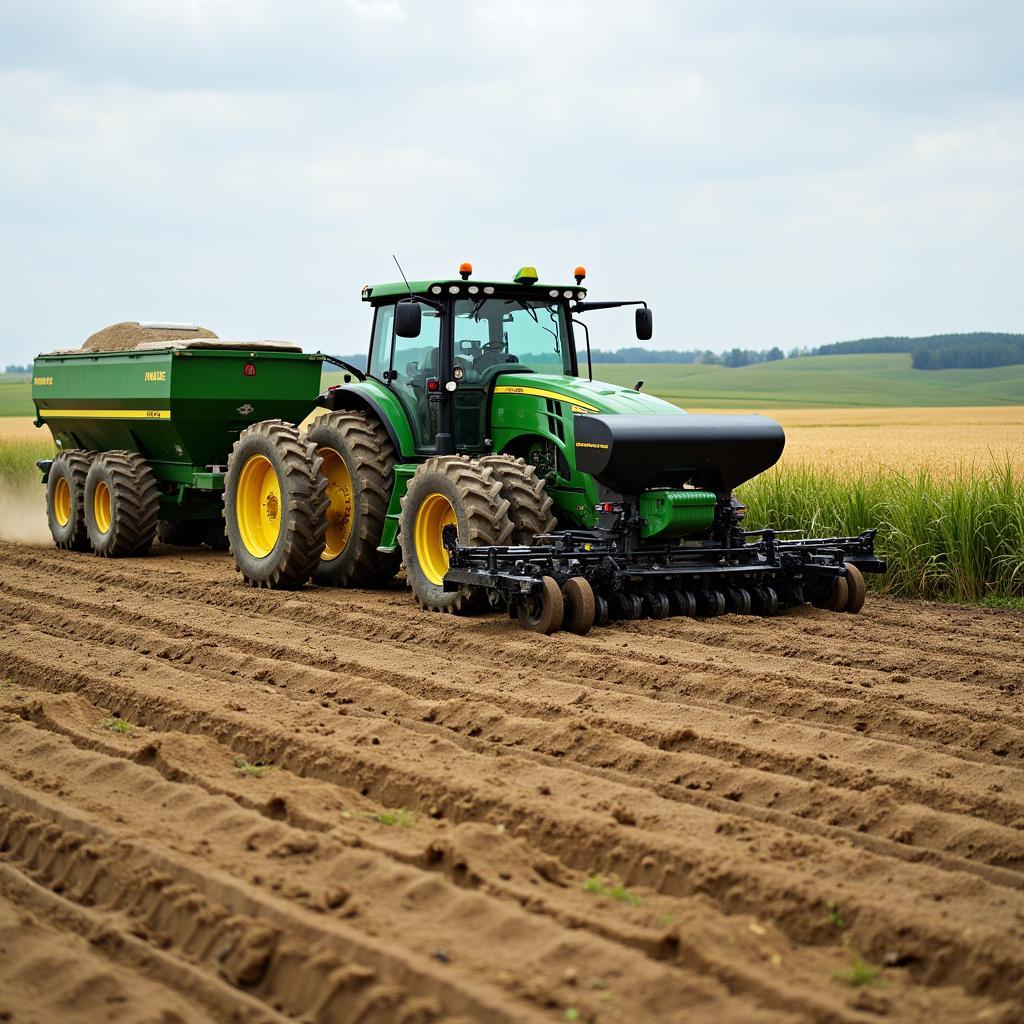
(441, 346)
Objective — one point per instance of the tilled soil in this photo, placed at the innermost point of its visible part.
(235, 805)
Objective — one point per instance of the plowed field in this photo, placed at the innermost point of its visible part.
(229, 805)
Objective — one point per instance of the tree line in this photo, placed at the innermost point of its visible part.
(940, 351)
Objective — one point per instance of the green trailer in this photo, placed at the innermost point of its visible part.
(156, 426)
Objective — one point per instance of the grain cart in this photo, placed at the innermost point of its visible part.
(144, 435)
(473, 454)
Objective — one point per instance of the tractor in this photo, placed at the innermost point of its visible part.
(474, 454)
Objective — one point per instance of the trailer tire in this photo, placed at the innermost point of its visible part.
(275, 506)
(449, 490)
(359, 465)
(529, 503)
(65, 499)
(122, 504)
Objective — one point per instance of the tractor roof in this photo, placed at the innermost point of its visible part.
(525, 284)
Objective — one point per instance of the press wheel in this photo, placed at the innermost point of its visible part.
(580, 606)
(543, 611)
(837, 600)
(857, 589)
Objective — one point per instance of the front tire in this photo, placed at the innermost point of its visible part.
(449, 490)
(275, 505)
(122, 504)
(359, 466)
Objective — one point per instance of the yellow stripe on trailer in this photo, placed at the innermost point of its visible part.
(512, 389)
(107, 414)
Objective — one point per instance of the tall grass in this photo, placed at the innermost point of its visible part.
(18, 461)
(958, 537)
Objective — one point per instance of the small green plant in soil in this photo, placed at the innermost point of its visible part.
(257, 770)
(597, 886)
(118, 725)
(834, 917)
(400, 817)
(860, 973)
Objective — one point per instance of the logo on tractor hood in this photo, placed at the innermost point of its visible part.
(245, 410)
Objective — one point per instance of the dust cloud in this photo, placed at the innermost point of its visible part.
(23, 516)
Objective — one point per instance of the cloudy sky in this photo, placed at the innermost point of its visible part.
(763, 173)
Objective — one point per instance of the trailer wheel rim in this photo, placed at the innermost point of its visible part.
(339, 511)
(62, 501)
(258, 506)
(101, 506)
(434, 514)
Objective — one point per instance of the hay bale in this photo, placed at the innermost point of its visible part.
(124, 336)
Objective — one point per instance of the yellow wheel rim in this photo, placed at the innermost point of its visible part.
(435, 513)
(62, 502)
(340, 495)
(258, 506)
(101, 506)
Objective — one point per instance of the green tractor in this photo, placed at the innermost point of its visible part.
(472, 453)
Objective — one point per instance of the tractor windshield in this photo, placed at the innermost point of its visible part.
(493, 333)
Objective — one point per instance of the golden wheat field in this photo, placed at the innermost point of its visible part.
(906, 439)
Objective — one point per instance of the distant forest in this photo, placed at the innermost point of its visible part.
(940, 351)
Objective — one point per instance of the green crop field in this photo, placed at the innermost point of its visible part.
(957, 537)
(15, 396)
(835, 381)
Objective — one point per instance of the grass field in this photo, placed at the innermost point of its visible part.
(815, 381)
(15, 396)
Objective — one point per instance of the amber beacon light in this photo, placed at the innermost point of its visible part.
(465, 269)
(579, 273)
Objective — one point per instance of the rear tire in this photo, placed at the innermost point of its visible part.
(359, 465)
(529, 503)
(449, 490)
(275, 506)
(122, 504)
(65, 499)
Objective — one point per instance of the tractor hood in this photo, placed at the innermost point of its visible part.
(631, 453)
(585, 395)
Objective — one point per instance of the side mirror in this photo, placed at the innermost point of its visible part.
(408, 318)
(644, 324)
